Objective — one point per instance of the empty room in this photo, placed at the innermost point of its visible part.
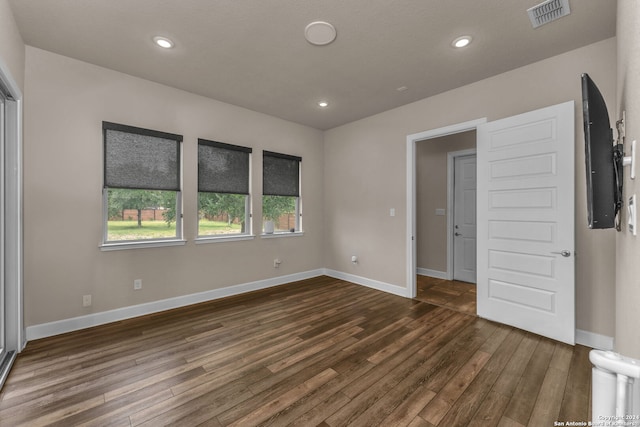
(262, 212)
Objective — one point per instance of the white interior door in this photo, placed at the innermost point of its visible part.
(464, 214)
(525, 253)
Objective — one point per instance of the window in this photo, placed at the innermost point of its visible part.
(141, 184)
(281, 210)
(223, 189)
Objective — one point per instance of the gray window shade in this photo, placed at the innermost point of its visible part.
(140, 158)
(280, 174)
(223, 168)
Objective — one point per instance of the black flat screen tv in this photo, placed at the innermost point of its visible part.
(602, 159)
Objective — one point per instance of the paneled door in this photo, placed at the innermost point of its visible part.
(464, 215)
(526, 216)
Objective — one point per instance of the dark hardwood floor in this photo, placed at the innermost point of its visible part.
(316, 352)
(453, 294)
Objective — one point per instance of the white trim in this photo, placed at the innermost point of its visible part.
(15, 338)
(593, 340)
(282, 234)
(412, 260)
(411, 190)
(223, 238)
(370, 283)
(433, 273)
(589, 339)
(81, 322)
(140, 245)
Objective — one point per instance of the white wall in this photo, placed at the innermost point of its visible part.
(11, 45)
(365, 170)
(66, 102)
(627, 337)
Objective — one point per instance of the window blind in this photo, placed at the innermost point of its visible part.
(139, 158)
(223, 168)
(280, 174)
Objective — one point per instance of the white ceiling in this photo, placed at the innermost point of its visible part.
(252, 53)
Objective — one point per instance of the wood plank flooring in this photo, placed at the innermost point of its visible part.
(453, 294)
(316, 352)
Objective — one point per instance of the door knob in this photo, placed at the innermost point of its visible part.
(457, 234)
(565, 253)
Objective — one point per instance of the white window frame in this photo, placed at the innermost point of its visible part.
(217, 238)
(111, 245)
(298, 213)
(299, 231)
(177, 240)
(248, 213)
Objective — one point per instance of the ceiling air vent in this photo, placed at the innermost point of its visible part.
(548, 11)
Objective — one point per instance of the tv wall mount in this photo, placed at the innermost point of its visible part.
(619, 161)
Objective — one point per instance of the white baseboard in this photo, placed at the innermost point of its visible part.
(586, 338)
(432, 273)
(81, 322)
(370, 283)
(593, 340)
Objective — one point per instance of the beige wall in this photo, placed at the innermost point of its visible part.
(365, 173)
(627, 336)
(360, 169)
(11, 45)
(66, 102)
(431, 194)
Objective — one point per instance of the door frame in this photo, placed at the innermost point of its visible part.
(451, 157)
(412, 140)
(15, 337)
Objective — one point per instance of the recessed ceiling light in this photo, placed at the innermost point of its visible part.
(461, 41)
(401, 88)
(323, 104)
(163, 42)
(320, 33)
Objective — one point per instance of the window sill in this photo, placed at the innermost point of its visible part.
(282, 234)
(219, 239)
(112, 246)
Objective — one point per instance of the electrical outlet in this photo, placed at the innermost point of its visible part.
(276, 263)
(86, 300)
(137, 284)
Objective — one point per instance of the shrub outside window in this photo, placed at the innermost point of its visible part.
(223, 189)
(281, 205)
(141, 193)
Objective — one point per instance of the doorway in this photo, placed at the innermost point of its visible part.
(444, 270)
(12, 338)
(445, 227)
(525, 217)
